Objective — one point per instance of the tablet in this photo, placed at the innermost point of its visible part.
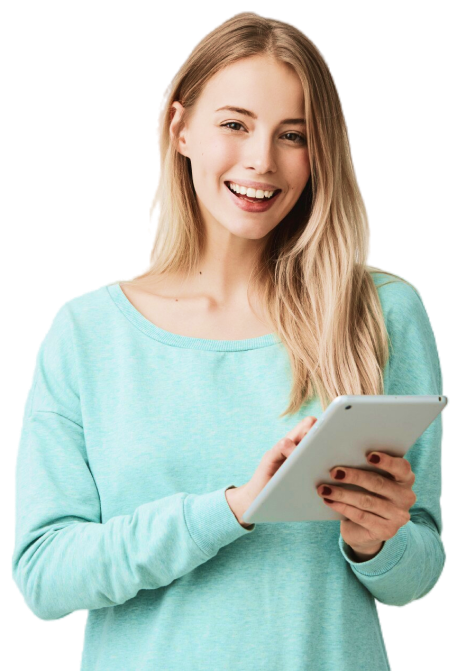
(350, 428)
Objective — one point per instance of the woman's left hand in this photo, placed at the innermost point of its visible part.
(376, 515)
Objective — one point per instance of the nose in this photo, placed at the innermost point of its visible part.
(260, 154)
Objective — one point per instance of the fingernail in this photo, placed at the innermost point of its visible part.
(374, 458)
(339, 475)
(326, 491)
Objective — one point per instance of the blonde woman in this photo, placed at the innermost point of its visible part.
(162, 405)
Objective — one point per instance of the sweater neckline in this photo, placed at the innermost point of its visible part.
(174, 339)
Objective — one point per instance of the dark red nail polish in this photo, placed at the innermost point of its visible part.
(374, 458)
(339, 475)
(326, 490)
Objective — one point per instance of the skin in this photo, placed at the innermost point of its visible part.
(375, 516)
(256, 149)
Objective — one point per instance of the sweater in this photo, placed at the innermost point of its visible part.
(132, 434)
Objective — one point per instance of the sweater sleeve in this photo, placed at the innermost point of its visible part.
(411, 562)
(65, 559)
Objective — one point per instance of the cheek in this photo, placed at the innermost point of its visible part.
(298, 172)
(221, 156)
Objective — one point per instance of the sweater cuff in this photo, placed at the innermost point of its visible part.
(211, 522)
(389, 555)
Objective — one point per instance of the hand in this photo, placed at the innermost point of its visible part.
(373, 517)
(240, 498)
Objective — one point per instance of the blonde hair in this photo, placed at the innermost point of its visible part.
(311, 277)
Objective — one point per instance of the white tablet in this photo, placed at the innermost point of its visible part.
(349, 429)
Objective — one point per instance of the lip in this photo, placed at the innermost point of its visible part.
(246, 206)
(255, 185)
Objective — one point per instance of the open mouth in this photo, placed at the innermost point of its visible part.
(253, 200)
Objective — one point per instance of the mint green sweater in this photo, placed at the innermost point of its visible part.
(131, 435)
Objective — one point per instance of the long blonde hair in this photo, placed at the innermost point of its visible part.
(311, 277)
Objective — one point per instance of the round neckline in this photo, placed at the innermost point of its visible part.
(176, 340)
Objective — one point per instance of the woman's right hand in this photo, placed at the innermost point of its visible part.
(240, 498)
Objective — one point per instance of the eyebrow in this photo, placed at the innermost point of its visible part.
(241, 110)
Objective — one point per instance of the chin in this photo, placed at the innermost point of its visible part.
(249, 231)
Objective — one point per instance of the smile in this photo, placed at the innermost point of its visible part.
(250, 204)
(251, 193)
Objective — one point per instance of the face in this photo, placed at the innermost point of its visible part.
(234, 146)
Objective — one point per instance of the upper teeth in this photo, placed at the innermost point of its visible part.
(249, 191)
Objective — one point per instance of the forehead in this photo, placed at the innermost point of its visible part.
(263, 85)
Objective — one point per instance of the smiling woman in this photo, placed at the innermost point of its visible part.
(139, 420)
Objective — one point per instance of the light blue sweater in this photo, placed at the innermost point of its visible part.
(132, 434)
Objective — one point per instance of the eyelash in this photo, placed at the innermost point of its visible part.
(301, 137)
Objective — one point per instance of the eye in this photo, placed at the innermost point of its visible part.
(231, 123)
(301, 138)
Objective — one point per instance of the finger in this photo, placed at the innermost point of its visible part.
(366, 519)
(377, 527)
(398, 467)
(397, 492)
(376, 483)
(298, 432)
(366, 502)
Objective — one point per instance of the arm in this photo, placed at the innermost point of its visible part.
(64, 558)
(408, 565)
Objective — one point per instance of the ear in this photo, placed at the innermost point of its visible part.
(176, 114)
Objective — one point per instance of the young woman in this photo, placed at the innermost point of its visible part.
(152, 398)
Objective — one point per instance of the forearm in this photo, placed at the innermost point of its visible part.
(407, 567)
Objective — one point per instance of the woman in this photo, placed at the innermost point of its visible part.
(151, 397)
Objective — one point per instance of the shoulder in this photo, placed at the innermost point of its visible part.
(77, 319)
(398, 297)
(413, 346)
(89, 305)
(406, 318)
